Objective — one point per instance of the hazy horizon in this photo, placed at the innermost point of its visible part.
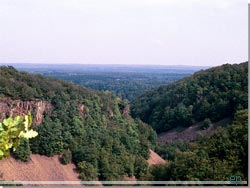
(106, 64)
(95, 64)
(124, 32)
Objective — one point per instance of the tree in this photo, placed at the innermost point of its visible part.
(50, 137)
(141, 167)
(23, 150)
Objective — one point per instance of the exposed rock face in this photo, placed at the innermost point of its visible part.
(84, 110)
(111, 113)
(9, 107)
(125, 112)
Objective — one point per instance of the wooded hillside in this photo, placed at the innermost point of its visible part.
(212, 94)
(92, 129)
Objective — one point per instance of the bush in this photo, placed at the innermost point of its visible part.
(66, 157)
(87, 171)
(141, 167)
(1, 176)
(206, 124)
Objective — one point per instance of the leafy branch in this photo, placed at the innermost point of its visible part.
(12, 129)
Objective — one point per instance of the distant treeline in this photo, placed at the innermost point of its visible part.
(125, 81)
(127, 85)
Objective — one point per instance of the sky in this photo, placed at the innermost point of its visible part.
(162, 32)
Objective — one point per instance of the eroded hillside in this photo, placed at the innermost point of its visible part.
(39, 168)
(94, 130)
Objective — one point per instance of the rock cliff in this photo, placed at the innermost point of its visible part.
(9, 107)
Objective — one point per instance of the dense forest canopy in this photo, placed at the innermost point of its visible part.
(126, 85)
(93, 129)
(125, 81)
(207, 96)
(216, 157)
(211, 94)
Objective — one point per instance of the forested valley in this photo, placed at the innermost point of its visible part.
(109, 137)
(126, 82)
(205, 98)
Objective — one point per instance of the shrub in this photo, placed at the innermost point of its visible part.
(66, 157)
(206, 124)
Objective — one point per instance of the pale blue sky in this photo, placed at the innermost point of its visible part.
(170, 32)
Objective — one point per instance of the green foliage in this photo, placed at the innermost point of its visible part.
(12, 130)
(206, 123)
(141, 167)
(23, 150)
(91, 127)
(50, 139)
(127, 85)
(87, 171)
(215, 94)
(169, 152)
(216, 158)
(66, 157)
(206, 96)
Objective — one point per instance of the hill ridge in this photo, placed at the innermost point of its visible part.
(213, 93)
(92, 129)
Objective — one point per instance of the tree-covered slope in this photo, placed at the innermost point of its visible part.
(212, 94)
(211, 158)
(93, 129)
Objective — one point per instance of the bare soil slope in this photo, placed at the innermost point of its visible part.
(39, 168)
(190, 133)
(42, 168)
(155, 159)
